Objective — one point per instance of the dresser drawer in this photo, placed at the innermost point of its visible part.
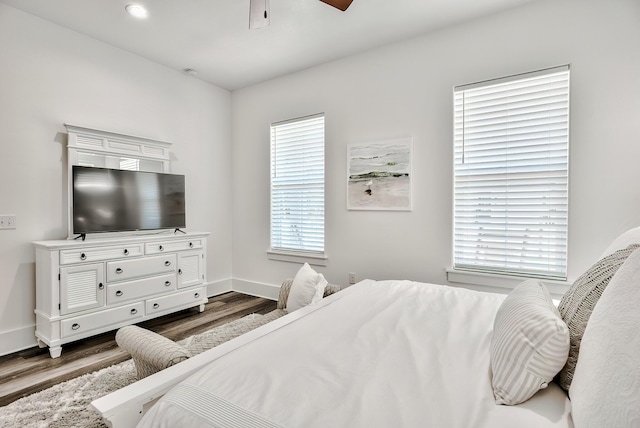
(85, 323)
(94, 254)
(165, 246)
(122, 270)
(131, 290)
(160, 304)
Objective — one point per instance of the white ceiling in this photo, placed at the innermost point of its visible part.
(213, 36)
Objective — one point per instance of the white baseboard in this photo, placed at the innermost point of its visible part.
(258, 289)
(18, 340)
(219, 287)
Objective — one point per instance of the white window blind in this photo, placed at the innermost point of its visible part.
(297, 185)
(511, 141)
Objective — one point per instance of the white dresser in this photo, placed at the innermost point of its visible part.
(84, 288)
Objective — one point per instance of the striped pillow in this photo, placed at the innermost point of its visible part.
(529, 346)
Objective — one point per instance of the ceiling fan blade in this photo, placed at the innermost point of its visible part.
(339, 4)
(259, 14)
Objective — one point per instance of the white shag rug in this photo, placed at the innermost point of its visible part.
(67, 404)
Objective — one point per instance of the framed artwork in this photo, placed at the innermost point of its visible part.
(379, 175)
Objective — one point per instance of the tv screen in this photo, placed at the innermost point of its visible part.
(113, 200)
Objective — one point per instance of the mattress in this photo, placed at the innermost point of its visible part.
(378, 354)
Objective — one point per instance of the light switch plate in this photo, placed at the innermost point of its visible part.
(7, 221)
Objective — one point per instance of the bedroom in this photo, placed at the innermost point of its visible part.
(219, 138)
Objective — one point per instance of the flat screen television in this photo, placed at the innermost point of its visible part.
(114, 200)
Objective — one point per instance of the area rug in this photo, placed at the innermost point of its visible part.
(66, 405)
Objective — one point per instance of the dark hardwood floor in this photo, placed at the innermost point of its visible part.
(32, 370)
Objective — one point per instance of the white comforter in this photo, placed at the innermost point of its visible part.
(378, 354)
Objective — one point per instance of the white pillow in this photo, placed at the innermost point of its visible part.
(631, 236)
(605, 391)
(307, 288)
(529, 345)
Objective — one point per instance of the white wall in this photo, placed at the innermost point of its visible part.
(406, 89)
(50, 76)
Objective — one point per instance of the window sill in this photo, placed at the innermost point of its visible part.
(502, 283)
(294, 257)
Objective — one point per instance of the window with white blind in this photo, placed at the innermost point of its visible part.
(297, 185)
(511, 139)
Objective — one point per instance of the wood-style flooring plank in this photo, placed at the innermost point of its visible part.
(32, 370)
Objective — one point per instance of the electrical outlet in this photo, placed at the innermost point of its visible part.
(352, 277)
(7, 221)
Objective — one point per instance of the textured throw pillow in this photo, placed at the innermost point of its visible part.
(529, 345)
(307, 288)
(605, 391)
(577, 305)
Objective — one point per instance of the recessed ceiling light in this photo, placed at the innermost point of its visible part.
(137, 10)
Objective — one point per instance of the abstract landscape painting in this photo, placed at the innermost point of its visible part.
(379, 175)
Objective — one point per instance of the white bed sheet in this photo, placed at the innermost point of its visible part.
(378, 354)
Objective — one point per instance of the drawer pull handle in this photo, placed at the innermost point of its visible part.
(119, 270)
(126, 252)
(179, 271)
(167, 263)
(119, 293)
(156, 306)
(134, 311)
(196, 295)
(100, 286)
(75, 326)
(161, 248)
(83, 256)
(190, 244)
(167, 283)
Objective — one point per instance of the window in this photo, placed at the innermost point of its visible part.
(297, 185)
(511, 140)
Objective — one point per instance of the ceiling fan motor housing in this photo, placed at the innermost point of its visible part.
(259, 14)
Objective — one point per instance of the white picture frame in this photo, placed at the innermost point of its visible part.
(379, 175)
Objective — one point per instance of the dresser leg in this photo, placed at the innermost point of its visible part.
(55, 351)
(202, 307)
(41, 344)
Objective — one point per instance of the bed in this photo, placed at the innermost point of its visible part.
(397, 353)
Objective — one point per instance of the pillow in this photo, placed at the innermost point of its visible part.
(604, 391)
(529, 346)
(307, 288)
(578, 303)
(631, 236)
